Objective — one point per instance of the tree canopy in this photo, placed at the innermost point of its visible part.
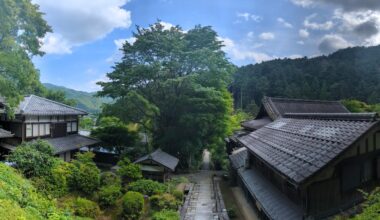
(346, 74)
(21, 30)
(173, 83)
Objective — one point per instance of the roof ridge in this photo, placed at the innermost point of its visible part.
(55, 102)
(365, 116)
(303, 100)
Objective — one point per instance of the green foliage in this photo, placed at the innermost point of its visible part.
(81, 207)
(84, 100)
(85, 174)
(147, 187)
(371, 206)
(346, 74)
(109, 178)
(19, 198)
(357, 106)
(178, 195)
(21, 28)
(115, 134)
(166, 215)
(164, 201)
(129, 171)
(33, 159)
(86, 123)
(173, 84)
(59, 96)
(108, 195)
(133, 205)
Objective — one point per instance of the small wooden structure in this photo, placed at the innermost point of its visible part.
(157, 165)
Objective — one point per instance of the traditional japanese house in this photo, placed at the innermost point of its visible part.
(157, 165)
(309, 165)
(57, 123)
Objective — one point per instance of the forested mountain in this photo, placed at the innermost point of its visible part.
(84, 100)
(352, 73)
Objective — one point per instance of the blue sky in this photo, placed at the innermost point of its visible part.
(87, 33)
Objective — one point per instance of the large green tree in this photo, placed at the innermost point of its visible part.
(173, 83)
(21, 30)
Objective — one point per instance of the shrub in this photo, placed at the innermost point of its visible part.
(108, 195)
(178, 195)
(166, 215)
(86, 175)
(33, 158)
(129, 171)
(164, 201)
(147, 187)
(109, 178)
(133, 205)
(82, 207)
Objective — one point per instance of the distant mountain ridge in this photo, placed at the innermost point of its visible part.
(85, 100)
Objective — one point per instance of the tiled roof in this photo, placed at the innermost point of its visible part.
(239, 157)
(274, 203)
(5, 133)
(277, 107)
(299, 145)
(70, 142)
(162, 158)
(35, 105)
(256, 123)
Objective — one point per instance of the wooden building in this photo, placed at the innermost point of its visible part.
(157, 165)
(38, 117)
(306, 165)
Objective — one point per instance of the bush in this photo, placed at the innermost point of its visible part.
(109, 178)
(82, 207)
(133, 205)
(33, 159)
(108, 195)
(147, 187)
(166, 215)
(129, 171)
(86, 175)
(178, 195)
(164, 201)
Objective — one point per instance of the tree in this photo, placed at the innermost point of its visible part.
(173, 84)
(86, 175)
(34, 159)
(129, 171)
(21, 30)
(115, 134)
(58, 96)
(133, 205)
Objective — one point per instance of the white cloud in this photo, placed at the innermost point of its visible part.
(167, 25)
(303, 33)
(250, 34)
(303, 3)
(249, 17)
(76, 22)
(300, 42)
(284, 23)
(267, 36)
(317, 26)
(331, 43)
(240, 52)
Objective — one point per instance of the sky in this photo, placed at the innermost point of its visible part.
(87, 34)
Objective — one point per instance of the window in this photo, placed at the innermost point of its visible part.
(73, 126)
(28, 130)
(35, 130)
(47, 129)
(42, 130)
(68, 126)
(367, 172)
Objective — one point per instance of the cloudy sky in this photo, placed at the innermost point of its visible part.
(88, 33)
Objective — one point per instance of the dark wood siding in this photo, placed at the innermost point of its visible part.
(58, 129)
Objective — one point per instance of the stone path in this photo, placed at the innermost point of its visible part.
(202, 201)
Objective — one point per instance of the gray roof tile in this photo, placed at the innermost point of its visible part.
(70, 142)
(239, 157)
(299, 147)
(162, 158)
(35, 105)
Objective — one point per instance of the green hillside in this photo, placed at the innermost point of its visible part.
(352, 73)
(85, 100)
